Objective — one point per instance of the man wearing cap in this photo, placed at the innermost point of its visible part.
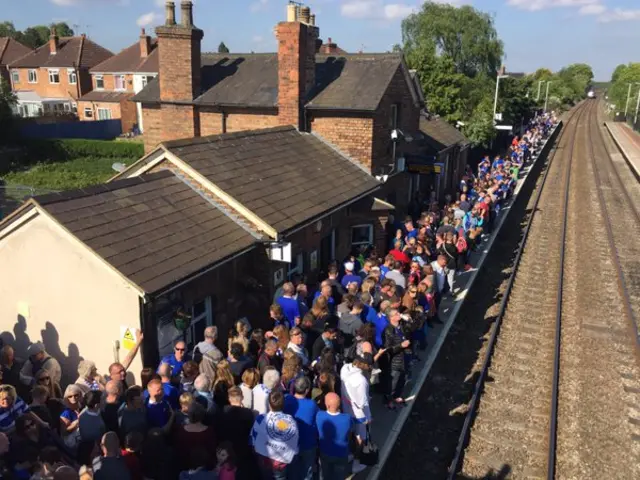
(39, 359)
(349, 277)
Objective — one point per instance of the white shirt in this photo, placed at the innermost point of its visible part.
(275, 436)
(441, 275)
(261, 399)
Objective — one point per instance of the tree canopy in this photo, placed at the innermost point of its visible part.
(222, 48)
(35, 36)
(624, 76)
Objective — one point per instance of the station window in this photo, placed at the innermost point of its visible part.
(362, 235)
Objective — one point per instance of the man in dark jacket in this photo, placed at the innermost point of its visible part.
(395, 345)
(351, 322)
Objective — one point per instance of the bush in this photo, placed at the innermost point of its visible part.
(66, 149)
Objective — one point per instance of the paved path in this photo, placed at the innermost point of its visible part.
(387, 425)
(629, 143)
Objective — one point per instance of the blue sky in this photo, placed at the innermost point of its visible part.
(550, 33)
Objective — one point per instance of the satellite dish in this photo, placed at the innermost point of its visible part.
(119, 167)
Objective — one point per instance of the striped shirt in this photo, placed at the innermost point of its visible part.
(9, 415)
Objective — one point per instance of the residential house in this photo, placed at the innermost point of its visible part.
(331, 48)
(10, 51)
(116, 80)
(54, 76)
(352, 101)
(442, 159)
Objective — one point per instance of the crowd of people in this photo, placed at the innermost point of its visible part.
(289, 401)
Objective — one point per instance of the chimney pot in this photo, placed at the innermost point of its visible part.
(312, 19)
(170, 13)
(186, 19)
(305, 13)
(292, 12)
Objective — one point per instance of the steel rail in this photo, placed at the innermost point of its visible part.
(613, 249)
(475, 398)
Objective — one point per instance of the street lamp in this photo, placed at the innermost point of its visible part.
(495, 101)
(626, 107)
(540, 82)
(635, 120)
(546, 99)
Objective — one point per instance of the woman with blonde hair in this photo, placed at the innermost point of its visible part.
(13, 407)
(290, 370)
(69, 418)
(281, 332)
(224, 381)
(239, 334)
(250, 378)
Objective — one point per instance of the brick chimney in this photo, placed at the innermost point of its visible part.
(179, 48)
(54, 42)
(180, 62)
(297, 46)
(145, 44)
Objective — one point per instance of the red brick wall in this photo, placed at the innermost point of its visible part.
(110, 82)
(240, 119)
(94, 106)
(351, 134)
(292, 46)
(64, 89)
(152, 126)
(179, 50)
(128, 115)
(210, 121)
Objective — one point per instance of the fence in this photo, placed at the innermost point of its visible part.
(98, 130)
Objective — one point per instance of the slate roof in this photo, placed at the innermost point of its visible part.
(72, 52)
(130, 61)
(440, 135)
(11, 50)
(154, 229)
(103, 96)
(347, 82)
(283, 176)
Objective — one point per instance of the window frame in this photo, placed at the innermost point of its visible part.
(52, 73)
(72, 76)
(104, 110)
(101, 79)
(299, 265)
(88, 112)
(115, 82)
(15, 76)
(362, 225)
(32, 72)
(206, 316)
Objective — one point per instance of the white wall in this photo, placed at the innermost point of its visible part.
(69, 299)
(137, 87)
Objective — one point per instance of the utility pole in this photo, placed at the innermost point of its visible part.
(635, 120)
(626, 107)
(546, 100)
(540, 82)
(495, 100)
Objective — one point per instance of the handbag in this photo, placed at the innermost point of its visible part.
(369, 451)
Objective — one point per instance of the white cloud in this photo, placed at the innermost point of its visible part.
(595, 9)
(375, 9)
(536, 5)
(149, 19)
(619, 15)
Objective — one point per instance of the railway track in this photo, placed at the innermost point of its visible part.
(560, 384)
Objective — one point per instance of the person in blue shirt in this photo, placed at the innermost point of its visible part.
(304, 410)
(289, 304)
(349, 277)
(334, 430)
(159, 412)
(171, 393)
(326, 291)
(381, 321)
(176, 359)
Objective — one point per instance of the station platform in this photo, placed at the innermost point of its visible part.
(387, 425)
(628, 142)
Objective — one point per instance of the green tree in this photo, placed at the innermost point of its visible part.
(62, 29)
(466, 35)
(480, 129)
(7, 102)
(619, 90)
(617, 72)
(7, 29)
(222, 48)
(37, 35)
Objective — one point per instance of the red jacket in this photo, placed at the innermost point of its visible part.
(399, 256)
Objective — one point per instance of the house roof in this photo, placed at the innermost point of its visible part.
(347, 82)
(155, 229)
(439, 134)
(285, 177)
(72, 52)
(129, 60)
(11, 50)
(103, 96)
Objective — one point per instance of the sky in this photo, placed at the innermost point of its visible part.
(536, 33)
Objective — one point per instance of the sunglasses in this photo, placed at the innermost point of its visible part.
(75, 395)
(180, 349)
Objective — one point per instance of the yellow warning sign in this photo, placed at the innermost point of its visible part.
(128, 339)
